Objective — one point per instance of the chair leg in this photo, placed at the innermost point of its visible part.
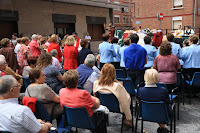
(122, 123)
(141, 125)
(136, 106)
(175, 120)
(178, 107)
(107, 119)
(137, 112)
(189, 93)
(76, 130)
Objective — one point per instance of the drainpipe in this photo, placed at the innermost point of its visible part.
(195, 3)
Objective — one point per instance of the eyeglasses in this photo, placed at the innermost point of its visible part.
(20, 86)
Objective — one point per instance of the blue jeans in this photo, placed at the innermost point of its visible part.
(137, 76)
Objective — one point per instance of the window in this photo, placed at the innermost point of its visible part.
(125, 9)
(125, 20)
(117, 9)
(177, 3)
(117, 19)
(176, 21)
(117, 1)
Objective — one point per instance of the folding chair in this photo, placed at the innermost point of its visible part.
(194, 83)
(26, 81)
(120, 73)
(171, 95)
(155, 112)
(79, 118)
(41, 112)
(181, 87)
(110, 101)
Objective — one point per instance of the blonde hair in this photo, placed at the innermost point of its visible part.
(70, 78)
(108, 75)
(53, 38)
(70, 40)
(151, 76)
(44, 60)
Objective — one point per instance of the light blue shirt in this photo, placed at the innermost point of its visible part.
(151, 53)
(191, 56)
(176, 50)
(107, 52)
(116, 47)
(121, 53)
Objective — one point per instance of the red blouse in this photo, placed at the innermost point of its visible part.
(70, 57)
(57, 47)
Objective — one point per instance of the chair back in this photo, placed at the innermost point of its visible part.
(26, 81)
(80, 87)
(120, 73)
(5, 132)
(78, 117)
(41, 112)
(128, 85)
(110, 101)
(154, 112)
(179, 79)
(196, 79)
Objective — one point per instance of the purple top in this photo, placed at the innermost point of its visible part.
(167, 68)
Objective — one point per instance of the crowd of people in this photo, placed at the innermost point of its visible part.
(57, 67)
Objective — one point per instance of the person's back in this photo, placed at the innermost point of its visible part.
(82, 55)
(116, 47)
(121, 53)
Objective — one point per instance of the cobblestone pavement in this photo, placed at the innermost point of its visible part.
(189, 121)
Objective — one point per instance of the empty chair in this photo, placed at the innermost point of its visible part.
(120, 73)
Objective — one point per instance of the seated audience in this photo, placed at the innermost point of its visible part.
(87, 75)
(53, 45)
(84, 51)
(76, 98)
(106, 51)
(70, 54)
(167, 64)
(116, 59)
(150, 92)
(55, 61)
(31, 64)
(8, 71)
(41, 91)
(151, 52)
(9, 54)
(53, 76)
(108, 83)
(16, 118)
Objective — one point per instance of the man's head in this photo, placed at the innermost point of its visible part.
(90, 60)
(14, 36)
(105, 37)
(9, 87)
(3, 62)
(179, 27)
(147, 39)
(114, 40)
(126, 41)
(54, 52)
(193, 39)
(34, 37)
(170, 37)
(75, 35)
(134, 38)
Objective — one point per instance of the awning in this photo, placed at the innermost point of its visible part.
(96, 3)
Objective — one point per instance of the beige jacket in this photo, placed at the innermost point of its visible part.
(120, 92)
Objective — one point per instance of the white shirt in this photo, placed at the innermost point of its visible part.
(14, 42)
(16, 118)
(88, 37)
(79, 47)
(56, 63)
(17, 47)
(93, 77)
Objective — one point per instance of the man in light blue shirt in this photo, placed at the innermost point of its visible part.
(151, 52)
(116, 61)
(121, 52)
(106, 51)
(176, 48)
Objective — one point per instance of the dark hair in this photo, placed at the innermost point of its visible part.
(165, 48)
(31, 60)
(134, 38)
(147, 39)
(15, 34)
(170, 37)
(34, 74)
(105, 37)
(70, 79)
(194, 39)
(75, 33)
(186, 42)
(150, 34)
(126, 41)
(114, 40)
(140, 27)
(84, 42)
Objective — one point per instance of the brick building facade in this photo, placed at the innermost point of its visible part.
(122, 18)
(176, 12)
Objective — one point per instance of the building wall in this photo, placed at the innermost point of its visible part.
(146, 13)
(35, 16)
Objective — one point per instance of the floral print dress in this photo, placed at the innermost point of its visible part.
(22, 55)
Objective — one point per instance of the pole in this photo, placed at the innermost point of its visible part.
(195, 3)
(160, 25)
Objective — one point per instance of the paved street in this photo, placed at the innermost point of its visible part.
(189, 121)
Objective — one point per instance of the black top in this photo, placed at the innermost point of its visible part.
(82, 55)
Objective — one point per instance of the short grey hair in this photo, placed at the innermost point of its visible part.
(53, 52)
(2, 59)
(34, 36)
(6, 82)
(90, 60)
